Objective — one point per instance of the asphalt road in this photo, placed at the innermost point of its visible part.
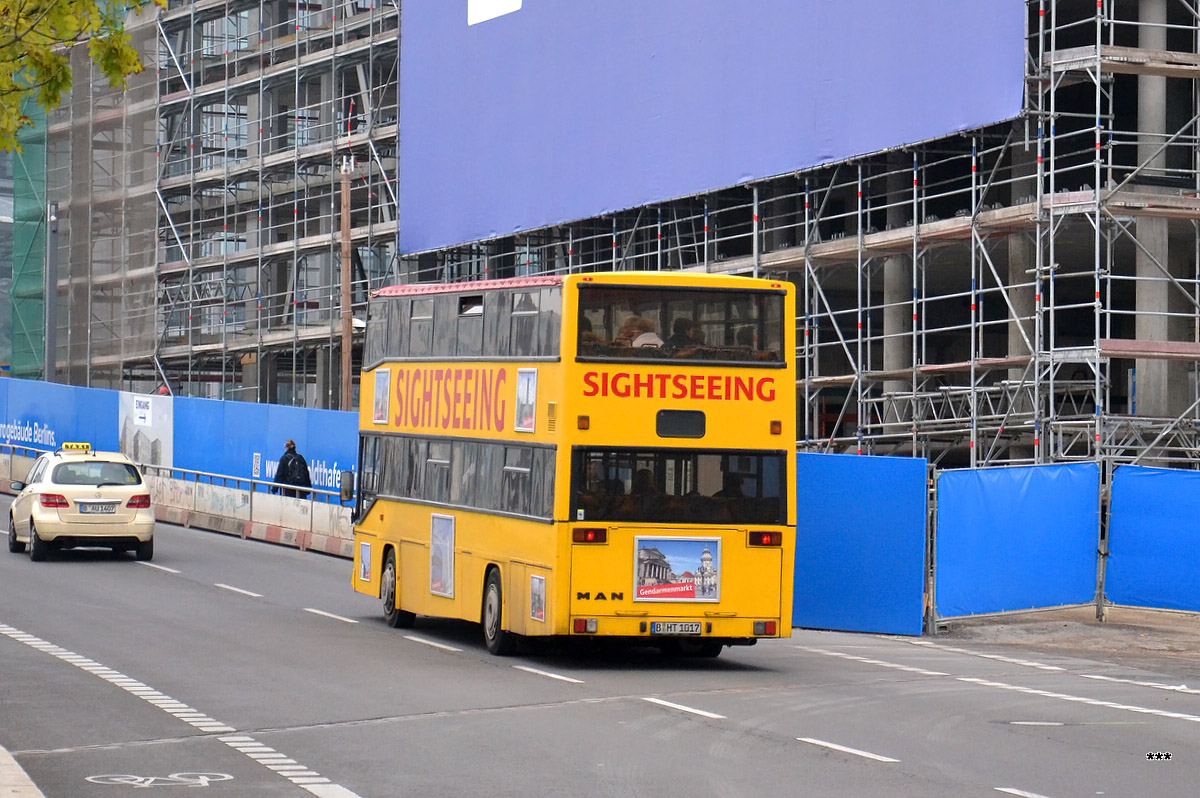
(259, 668)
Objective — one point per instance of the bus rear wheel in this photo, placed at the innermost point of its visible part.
(498, 641)
(395, 617)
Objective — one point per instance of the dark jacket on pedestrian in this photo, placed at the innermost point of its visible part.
(292, 470)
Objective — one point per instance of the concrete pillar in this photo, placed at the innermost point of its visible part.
(897, 281)
(1161, 385)
(260, 380)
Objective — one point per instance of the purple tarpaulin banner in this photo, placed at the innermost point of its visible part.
(519, 114)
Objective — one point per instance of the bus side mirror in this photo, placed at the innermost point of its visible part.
(346, 485)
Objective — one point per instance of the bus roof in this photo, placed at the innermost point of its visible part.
(632, 278)
(468, 285)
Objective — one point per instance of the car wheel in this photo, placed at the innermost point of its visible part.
(14, 545)
(395, 617)
(38, 548)
(145, 550)
(498, 641)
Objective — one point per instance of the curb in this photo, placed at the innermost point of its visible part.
(14, 781)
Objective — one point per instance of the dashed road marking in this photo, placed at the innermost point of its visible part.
(548, 674)
(998, 657)
(310, 780)
(158, 567)
(432, 643)
(1175, 688)
(845, 750)
(682, 708)
(330, 615)
(1019, 793)
(238, 590)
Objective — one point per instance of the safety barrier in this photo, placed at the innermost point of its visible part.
(230, 505)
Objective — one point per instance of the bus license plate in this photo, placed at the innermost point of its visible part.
(107, 507)
(675, 628)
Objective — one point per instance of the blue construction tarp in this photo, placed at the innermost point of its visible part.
(1154, 539)
(860, 543)
(1016, 538)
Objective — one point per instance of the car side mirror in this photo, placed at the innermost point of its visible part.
(346, 485)
(17, 486)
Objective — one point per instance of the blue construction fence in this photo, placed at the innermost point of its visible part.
(233, 439)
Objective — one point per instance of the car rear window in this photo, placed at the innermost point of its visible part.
(96, 472)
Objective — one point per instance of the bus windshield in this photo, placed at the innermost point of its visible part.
(665, 485)
(729, 326)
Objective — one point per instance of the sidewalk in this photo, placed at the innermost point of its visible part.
(14, 783)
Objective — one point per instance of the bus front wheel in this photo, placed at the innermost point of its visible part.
(498, 641)
(395, 617)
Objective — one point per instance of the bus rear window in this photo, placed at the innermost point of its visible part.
(670, 486)
(729, 326)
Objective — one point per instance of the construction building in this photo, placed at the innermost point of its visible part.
(1019, 293)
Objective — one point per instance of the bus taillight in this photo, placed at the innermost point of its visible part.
(585, 626)
(589, 535)
(766, 538)
(764, 628)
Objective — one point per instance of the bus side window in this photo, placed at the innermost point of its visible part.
(516, 479)
(437, 472)
(445, 320)
(464, 473)
(495, 323)
(524, 341)
(551, 322)
(420, 328)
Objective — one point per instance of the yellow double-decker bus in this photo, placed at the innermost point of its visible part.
(604, 455)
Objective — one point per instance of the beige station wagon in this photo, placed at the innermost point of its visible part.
(80, 497)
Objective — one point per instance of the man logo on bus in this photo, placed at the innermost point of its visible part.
(613, 595)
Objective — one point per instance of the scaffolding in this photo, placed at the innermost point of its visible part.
(1021, 293)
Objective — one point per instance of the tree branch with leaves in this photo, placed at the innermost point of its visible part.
(36, 39)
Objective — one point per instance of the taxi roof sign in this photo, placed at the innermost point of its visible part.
(76, 447)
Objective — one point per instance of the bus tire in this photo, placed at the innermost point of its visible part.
(498, 641)
(388, 593)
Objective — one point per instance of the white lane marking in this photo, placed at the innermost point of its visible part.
(682, 708)
(1020, 793)
(329, 615)
(239, 590)
(894, 665)
(1035, 723)
(1176, 688)
(547, 674)
(309, 781)
(1031, 691)
(159, 567)
(1011, 660)
(1080, 699)
(845, 750)
(423, 641)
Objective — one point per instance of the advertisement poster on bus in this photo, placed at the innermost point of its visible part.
(677, 569)
(537, 597)
(441, 556)
(383, 393)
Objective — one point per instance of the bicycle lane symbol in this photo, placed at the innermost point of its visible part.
(174, 780)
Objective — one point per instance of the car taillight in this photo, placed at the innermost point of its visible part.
(766, 539)
(53, 500)
(589, 535)
(139, 502)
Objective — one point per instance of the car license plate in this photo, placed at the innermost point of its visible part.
(98, 507)
(675, 628)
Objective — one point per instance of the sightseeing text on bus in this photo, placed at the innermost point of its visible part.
(451, 398)
(670, 385)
